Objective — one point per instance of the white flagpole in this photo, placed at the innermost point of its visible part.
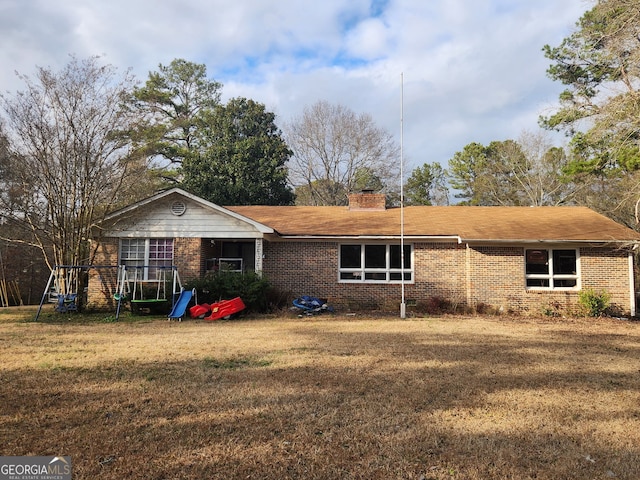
(403, 307)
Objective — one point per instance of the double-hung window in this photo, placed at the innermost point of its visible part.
(147, 254)
(375, 263)
(552, 268)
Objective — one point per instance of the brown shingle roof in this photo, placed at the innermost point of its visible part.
(468, 223)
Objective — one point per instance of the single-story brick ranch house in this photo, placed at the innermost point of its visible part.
(511, 258)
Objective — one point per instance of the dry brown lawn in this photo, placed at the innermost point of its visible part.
(327, 397)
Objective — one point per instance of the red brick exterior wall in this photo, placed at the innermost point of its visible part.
(102, 281)
(302, 268)
(606, 269)
(187, 257)
(492, 276)
(368, 201)
(311, 268)
(496, 277)
(439, 272)
(497, 280)
(489, 276)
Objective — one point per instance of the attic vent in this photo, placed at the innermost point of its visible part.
(178, 208)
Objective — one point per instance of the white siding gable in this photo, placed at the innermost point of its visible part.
(156, 220)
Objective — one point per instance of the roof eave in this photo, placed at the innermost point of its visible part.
(529, 241)
(457, 239)
(425, 238)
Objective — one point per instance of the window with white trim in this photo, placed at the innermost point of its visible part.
(551, 268)
(375, 263)
(147, 252)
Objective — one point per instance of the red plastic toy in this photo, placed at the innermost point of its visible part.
(199, 311)
(225, 308)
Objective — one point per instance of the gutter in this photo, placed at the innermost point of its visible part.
(544, 241)
(455, 238)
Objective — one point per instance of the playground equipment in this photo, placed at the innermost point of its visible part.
(199, 310)
(10, 288)
(218, 310)
(144, 294)
(62, 288)
(180, 307)
(225, 308)
(64, 285)
(66, 281)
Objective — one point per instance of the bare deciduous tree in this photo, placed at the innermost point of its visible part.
(330, 145)
(69, 162)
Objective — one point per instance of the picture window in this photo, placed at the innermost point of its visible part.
(551, 268)
(375, 263)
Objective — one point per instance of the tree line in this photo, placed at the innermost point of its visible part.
(599, 113)
(81, 142)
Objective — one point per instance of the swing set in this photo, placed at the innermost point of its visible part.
(144, 294)
(132, 286)
(63, 287)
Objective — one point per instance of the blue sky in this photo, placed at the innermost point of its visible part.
(473, 69)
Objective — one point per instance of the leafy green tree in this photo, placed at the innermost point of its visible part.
(600, 65)
(608, 188)
(175, 101)
(427, 186)
(241, 158)
(525, 172)
(365, 178)
(466, 173)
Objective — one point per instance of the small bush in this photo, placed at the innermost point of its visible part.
(277, 300)
(250, 287)
(482, 308)
(435, 306)
(594, 304)
(553, 309)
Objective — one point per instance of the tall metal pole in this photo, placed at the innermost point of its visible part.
(403, 307)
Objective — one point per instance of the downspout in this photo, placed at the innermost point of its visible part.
(258, 256)
(632, 289)
(468, 274)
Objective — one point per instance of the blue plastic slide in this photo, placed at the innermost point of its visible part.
(180, 307)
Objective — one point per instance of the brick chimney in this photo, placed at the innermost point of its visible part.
(367, 200)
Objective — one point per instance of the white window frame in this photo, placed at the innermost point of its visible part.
(149, 273)
(359, 274)
(550, 276)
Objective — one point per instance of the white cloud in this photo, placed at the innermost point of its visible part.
(368, 40)
(473, 69)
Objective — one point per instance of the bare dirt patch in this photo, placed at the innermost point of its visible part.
(325, 397)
